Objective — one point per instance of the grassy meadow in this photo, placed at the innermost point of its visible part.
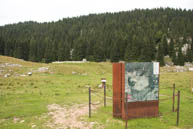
(24, 99)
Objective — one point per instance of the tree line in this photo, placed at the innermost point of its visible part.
(137, 35)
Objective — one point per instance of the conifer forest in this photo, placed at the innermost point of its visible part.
(140, 35)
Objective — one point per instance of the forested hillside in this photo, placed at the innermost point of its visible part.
(138, 35)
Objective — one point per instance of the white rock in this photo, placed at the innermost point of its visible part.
(22, 121)
(29, 73)
(190, 69)
(6, 75)
(33, 126)
(73, 72)
(84, 60)
(100, 86)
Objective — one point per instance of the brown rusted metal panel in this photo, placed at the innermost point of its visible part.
(117, 92)
(142, 109)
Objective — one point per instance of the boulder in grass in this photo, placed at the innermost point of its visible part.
(100, 86)
(7, 75)
(73, 72)
(29, 73)
(190, 69)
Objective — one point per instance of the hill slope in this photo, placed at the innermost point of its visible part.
(138, 35)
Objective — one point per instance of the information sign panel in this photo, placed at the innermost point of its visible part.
(142, 81)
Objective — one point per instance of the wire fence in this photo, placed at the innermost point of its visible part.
(105, 100)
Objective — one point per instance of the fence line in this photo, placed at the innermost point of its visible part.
(165, 99)
(108, 98)
(96, 103)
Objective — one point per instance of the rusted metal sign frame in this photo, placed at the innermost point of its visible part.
(117, 90)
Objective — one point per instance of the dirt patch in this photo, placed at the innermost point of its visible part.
(68, 118)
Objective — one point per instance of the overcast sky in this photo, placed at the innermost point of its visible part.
(13, 11)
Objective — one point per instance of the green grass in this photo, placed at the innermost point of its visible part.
(27, 98)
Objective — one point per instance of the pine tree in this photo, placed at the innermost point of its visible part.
(135, 49)
(89, 51)
(79, 50)
(171, 48)
(67, 51)
(174, 58)
(115, 53)
(180, 58)
(189, 55)
(127, 56)
(48, 50)
(160, 55)
(26, 50)
(147, 50)
(1, 46)
(32, 49)
(40, 50)
(61, 53)
(165, 46)
(98, 52)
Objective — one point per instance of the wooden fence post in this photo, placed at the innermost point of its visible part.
(173, 98)
(89, 90)
(104, 95)
(126, 111)
(178, 109)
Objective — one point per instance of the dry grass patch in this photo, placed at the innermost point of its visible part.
(68, 118)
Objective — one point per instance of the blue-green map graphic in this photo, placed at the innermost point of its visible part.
(141, 82)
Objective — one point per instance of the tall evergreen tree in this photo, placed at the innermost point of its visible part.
(67, 51)
(61, 53)
(98, 52)
(1, 46)
(171, 47)
(160, 55)
(165, 46)
(79, 50)
(48, 50)
(115, 53)
(189, 55)
(174, 58)
(127, 56)
(32, 50)
(180, 58)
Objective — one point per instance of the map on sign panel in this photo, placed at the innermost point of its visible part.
(142, 81)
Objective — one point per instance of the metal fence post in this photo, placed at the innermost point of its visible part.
(104, 95)
(178, 109)
(126, 111)
(173, 98)
(89, 90)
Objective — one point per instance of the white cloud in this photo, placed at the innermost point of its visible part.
(12, 11)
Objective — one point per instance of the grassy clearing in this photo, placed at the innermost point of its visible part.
(24, 100)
